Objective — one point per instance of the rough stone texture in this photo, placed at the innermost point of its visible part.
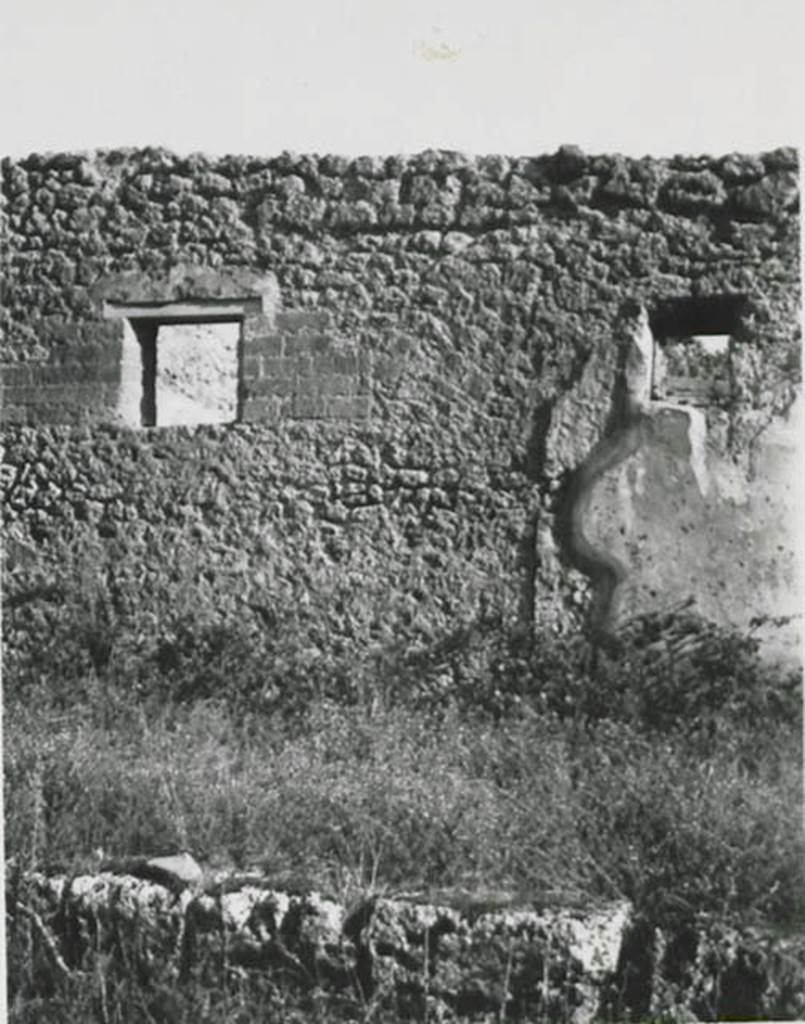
(709, 970)
(460, 958)
(453, 319)
(524, 963)
(426, 960)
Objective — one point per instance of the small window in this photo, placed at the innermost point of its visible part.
(181, 363)
(693, 344)
(196, 373)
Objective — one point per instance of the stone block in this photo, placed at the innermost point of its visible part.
(567, 164)
(785, 158)
(740, 168)
(304, 366)
(104, 334)
(361, 406)
(270, 409)
(345, 362)
(767, 199)
(337, 384)
(277, 384)
(352, 216)
(296, 345)
(52, 396)
(251, 366)
(297, 320)
(320, 343)
(259, 326)
(274, 369)
(341, 407)
(692, 192)
(11, 413)
(309, 406)
(270, 346)
(16, 376)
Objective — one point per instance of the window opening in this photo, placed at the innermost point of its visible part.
(693, 348)
(195, 373)
(180, 365)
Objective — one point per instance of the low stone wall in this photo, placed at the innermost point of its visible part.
(455, 956)
(465, 957)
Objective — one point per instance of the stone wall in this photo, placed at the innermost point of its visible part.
(445, 956)
(432, 347)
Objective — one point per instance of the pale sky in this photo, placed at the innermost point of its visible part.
(386, 76)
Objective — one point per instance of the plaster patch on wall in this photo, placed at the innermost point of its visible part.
(638, 478)
(622, 439)
(697, 435)
(625, 489)
(731, 484)
(696, 425)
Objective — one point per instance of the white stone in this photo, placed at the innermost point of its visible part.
(180, 866)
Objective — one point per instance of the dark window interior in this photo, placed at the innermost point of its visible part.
(694, 339)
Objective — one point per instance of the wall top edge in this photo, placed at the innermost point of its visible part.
(784, 156)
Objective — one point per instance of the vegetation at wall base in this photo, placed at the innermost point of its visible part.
(481, 758)
(359, 798)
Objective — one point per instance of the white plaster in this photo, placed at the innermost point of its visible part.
(697, 435)
(638, 483)
(625, 505)
(788, 431)
(131, 378)
(730, 483)
(697, 439)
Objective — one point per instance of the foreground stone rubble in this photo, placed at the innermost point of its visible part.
(453, 957)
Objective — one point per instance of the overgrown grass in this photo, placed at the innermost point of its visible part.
(352, 798)
(477, 759)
